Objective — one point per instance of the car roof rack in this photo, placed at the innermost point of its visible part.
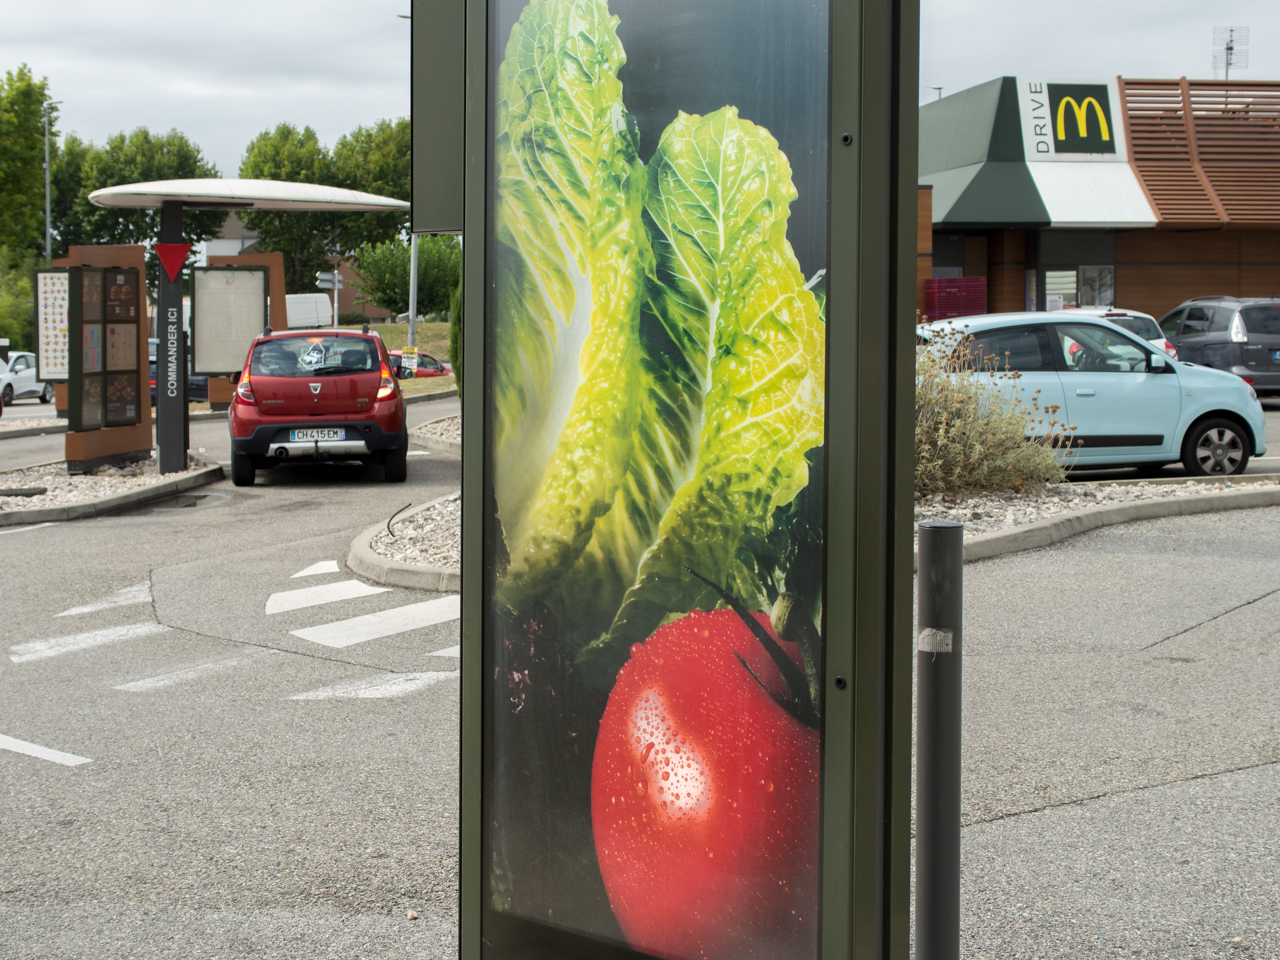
(1215, 296)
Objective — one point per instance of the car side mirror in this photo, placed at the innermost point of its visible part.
(235, 377)
(1157, 361)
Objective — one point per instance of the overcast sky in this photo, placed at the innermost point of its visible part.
(223, 72)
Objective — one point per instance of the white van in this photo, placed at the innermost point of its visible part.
(308, 310)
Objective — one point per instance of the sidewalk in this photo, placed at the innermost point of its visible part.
(1122, 747)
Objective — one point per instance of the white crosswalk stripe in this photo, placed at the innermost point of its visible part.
(56, 646)
(139, 593)
(384, 623)
(187, 674)
(381, 687)
(325, 593)
(41, 753)
(454, 651)
(324, 566)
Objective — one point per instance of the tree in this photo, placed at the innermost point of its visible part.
(15, 297)
(455, 334)
(374, 159)
(133, 158)
(306, 239)
(384, 273)
(22, 100)
(66, 178)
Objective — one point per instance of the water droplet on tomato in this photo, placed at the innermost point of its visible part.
(644, 754)
(666, 774)
(640, 789)
(768, 786)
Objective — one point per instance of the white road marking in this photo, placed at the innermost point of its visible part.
(379, 688)
(187, 674)
(314, 596)
(34, 526)
(56, 646)
(419, 453)
(324, 566)
(384, 623)
(42, 753)
(455, 651)
(139, 593)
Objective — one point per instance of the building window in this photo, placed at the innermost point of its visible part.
(1059, 289)
(1096, 286)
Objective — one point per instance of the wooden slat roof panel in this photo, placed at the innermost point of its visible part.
(1206, 152)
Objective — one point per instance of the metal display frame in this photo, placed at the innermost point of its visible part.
(136, 372)
(866, 738)
(41, 374)
(265, 273)
(77, 376)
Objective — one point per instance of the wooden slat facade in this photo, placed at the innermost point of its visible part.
(1207, 154)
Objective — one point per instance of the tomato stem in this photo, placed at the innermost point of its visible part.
(800, 703)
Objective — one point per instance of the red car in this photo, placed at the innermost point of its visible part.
(428, 366)
(307, 395)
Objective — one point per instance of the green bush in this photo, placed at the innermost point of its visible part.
(455, 333)
(354, 318)
(975, 429)
(15, 298)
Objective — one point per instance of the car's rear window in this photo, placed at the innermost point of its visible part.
(1141, 326)
(1263, 319)
(314, 356)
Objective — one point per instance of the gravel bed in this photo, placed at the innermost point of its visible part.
(449, 428)
(25, 423)
(63, 489)
(432, 538)
(988, 512)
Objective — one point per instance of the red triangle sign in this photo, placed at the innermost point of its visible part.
(172, 257)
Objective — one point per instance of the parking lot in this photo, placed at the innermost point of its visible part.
(254, 790)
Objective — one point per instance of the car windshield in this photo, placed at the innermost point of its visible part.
(313, 356)
(1262, 319)
(1144, 328)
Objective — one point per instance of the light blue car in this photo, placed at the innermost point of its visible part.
(1130, 403)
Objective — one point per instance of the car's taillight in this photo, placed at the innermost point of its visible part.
(1171, 350)
(1238, 332)
(244, 390)
(388, 386)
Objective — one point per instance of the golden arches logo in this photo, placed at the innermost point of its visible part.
(1081, 111)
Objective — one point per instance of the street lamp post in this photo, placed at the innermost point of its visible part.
(48, 225)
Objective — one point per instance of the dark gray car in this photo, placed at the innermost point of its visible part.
(1238, 335)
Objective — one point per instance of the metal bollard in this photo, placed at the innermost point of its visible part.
(938, 645)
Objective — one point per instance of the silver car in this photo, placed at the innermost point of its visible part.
(18, 380)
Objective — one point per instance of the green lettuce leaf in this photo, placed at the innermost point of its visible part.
(571, 261)
(731, 300)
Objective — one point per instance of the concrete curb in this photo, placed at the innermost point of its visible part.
(1045, 533)
(363, 562)
(436, 444)
(427, 397)
(97, 508)
(31, 431)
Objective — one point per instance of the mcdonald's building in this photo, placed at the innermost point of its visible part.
(1132, 193)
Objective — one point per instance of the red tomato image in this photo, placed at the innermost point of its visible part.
(704, 795)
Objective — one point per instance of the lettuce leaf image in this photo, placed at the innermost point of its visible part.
(730, 296)
(658, 359)
(571, 258)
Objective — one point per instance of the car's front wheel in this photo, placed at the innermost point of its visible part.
(8, 394)
(46, 395)
(1215, 448)
(242, 469)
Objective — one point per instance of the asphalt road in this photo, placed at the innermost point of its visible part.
(218, 817)
(1121, 791)
(254, 791)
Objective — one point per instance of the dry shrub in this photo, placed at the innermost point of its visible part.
(974, 424)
